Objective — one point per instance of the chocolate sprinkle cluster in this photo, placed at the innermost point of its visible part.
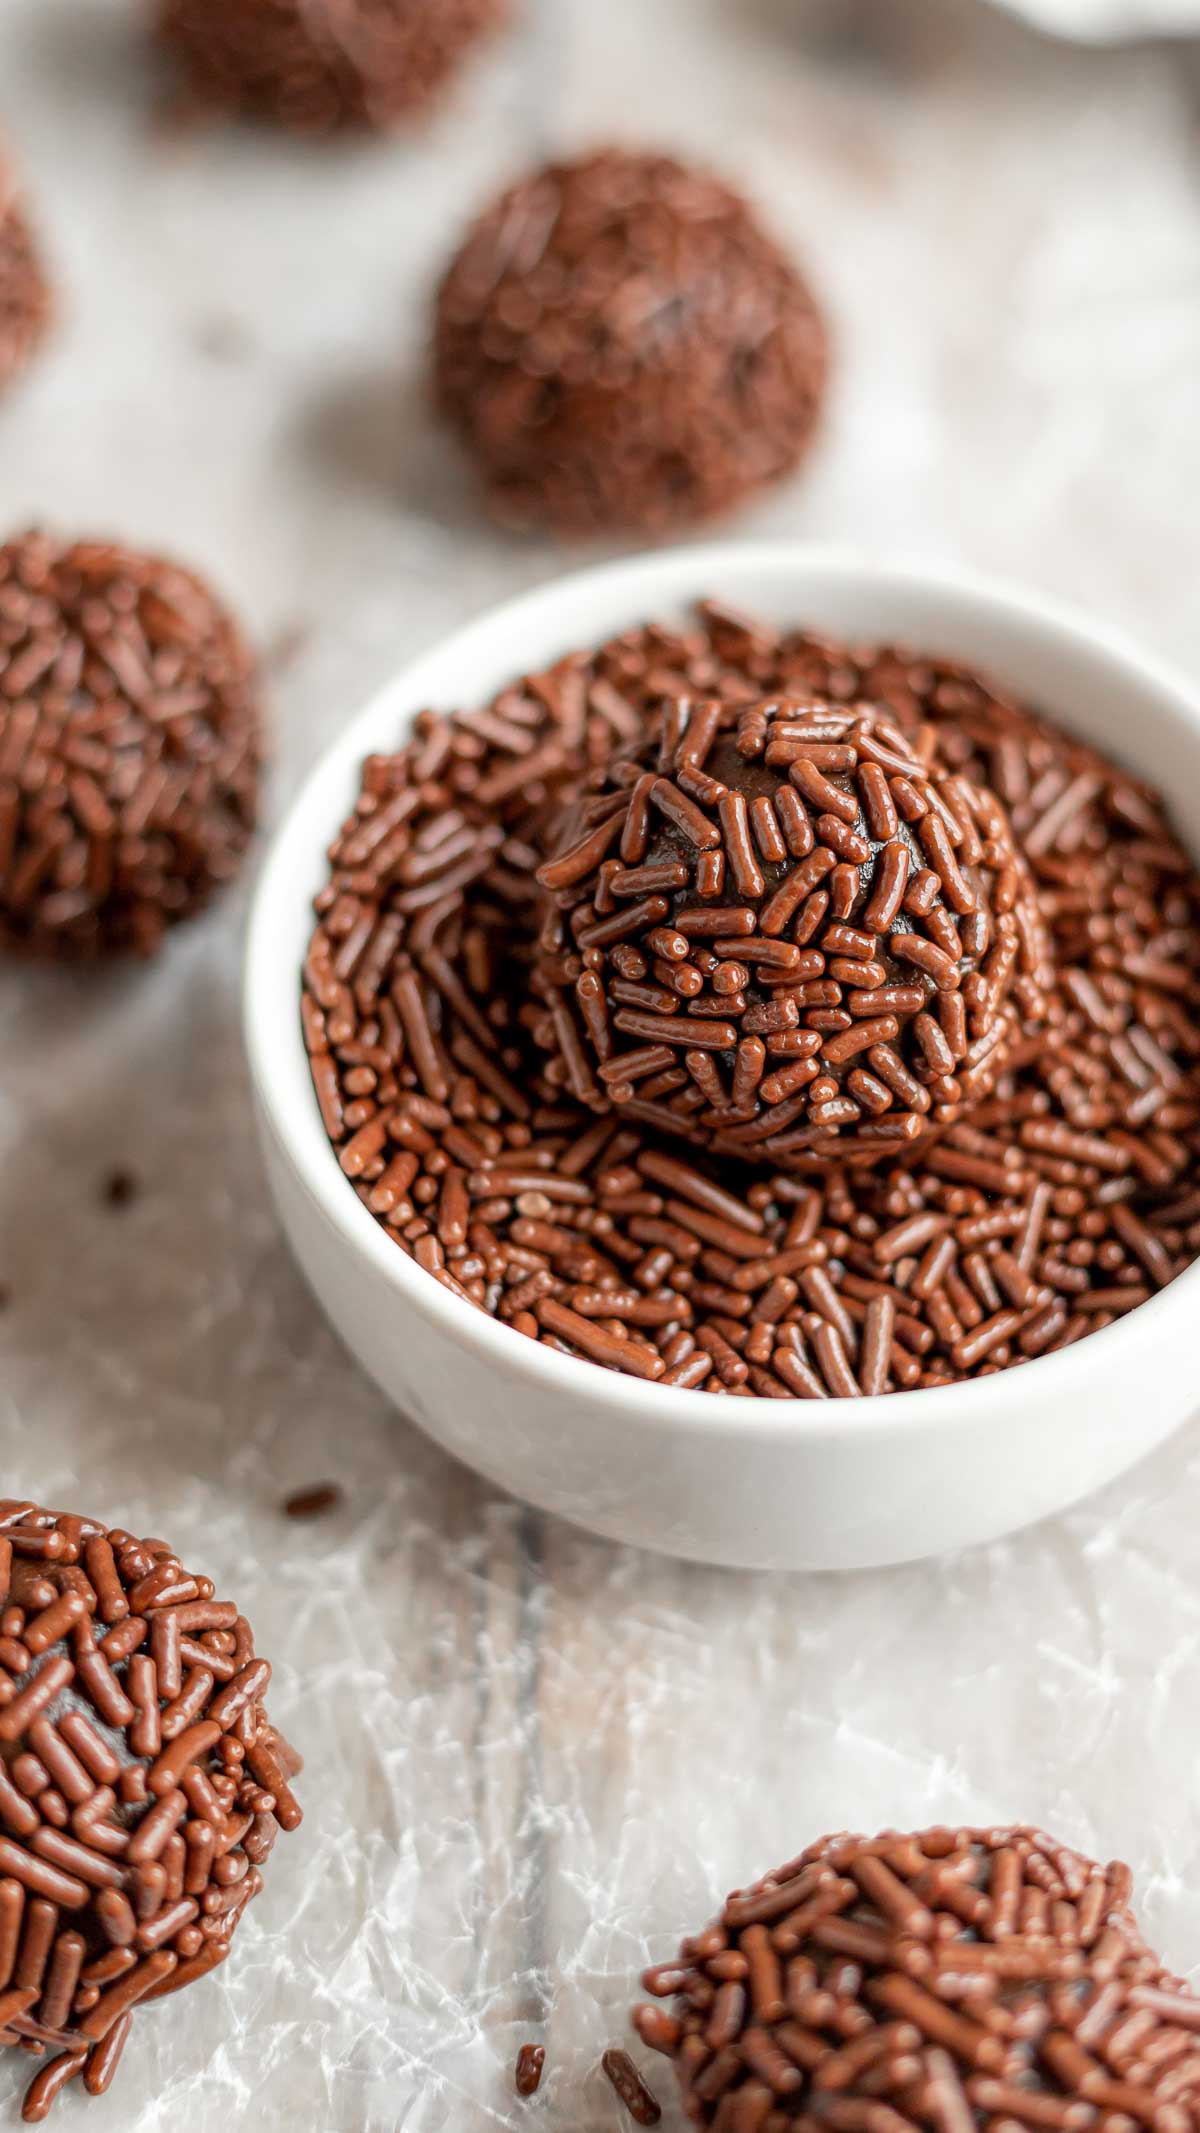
(142, 1786)
(129, 747)
(24, 293)
(802, 935)
(1066, 1198)
(319, 66)
(929, 1984)
(622, 345)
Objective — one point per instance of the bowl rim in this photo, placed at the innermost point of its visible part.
(676, 575)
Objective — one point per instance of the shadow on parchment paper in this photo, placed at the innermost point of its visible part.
(889, 41)
(380, 432)
(166, 1328)
(92, 54)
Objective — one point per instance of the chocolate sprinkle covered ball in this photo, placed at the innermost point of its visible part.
(930, 1984)
(779, 908)
(129, 747)
(622, 345)
(142, 1786)
(24, 293)
(318, 66)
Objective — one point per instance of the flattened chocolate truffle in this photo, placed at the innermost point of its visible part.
(773, 930)
(129, 747)
(317, 66)
(142, 1785)
(24, 291)
(936, 1983)
(622, 345)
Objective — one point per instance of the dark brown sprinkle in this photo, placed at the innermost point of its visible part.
(141, 1785)
(321, 66)
(621, 344)
(1052, 1206)
(25, 305)
(129, 748)
(530, 2060)
(949, 1980)
(121, 1188)
(641, 2105)
(314, 1502)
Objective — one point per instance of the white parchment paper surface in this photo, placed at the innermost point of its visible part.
(534, 1759)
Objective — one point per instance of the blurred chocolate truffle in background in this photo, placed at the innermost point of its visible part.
(142, 1786)
(622, 345)
(25, 306)
(953, 1980)
(774, 930)
(129, 747)
(317, 66)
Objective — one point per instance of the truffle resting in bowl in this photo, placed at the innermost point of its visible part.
(141, 1785)
(621, 344)
(936, 1983)
(774, 930)
(130, 747)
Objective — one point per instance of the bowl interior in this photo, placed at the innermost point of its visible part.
(1081, 674)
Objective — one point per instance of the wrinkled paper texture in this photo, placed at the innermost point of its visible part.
(534, 1759)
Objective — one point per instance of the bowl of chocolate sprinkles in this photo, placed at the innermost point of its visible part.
(932, 1983)
(784, 1358)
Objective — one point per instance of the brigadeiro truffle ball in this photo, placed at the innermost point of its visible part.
(945, 1981)
(129, 747)
(774, 930)
(622, 345)
(320, 65)
(141, 1785)
(24, 292)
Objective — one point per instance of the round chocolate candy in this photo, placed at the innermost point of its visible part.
(622, 345)
(317, 66)
(774, 930)
(24, 293)
(141, 1785)
(936, 1983)
(129, 747)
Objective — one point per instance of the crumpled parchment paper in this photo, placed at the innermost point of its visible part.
(533, 1759)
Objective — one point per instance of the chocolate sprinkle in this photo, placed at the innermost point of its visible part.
(142, 1785)
(129, 747)
(25, 306)
(621, 345)
(528, 2075)
(320, 66)
(1065, 1199)
(933, 1983)
(622, 2073)
(783, 898)
(120, 1188)
(314, 1502)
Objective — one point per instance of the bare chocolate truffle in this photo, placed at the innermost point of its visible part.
(25, 305)
(772, 929)
(129, 747)
(320, 66)
(142, 1786)
(621, 345)
(936, 1983)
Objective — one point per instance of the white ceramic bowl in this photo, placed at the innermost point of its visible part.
(765, 1484)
